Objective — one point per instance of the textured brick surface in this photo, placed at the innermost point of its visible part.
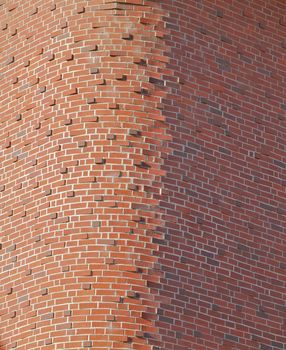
(77, 223)
(223, 245)
(142, 179)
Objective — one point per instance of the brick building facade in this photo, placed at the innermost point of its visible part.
(142, 179)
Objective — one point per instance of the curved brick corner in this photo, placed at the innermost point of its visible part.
(142, 180)
(81, 135)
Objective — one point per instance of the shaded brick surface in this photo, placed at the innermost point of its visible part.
(224, 193)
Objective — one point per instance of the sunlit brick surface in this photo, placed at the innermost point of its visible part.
(80, 160)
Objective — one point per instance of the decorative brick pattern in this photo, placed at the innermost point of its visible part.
(142, 176)
(77, 253)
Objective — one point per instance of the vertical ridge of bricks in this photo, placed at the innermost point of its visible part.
(78, 113)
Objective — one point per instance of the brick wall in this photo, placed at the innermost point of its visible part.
(223, 254)
(80, 160)
(142, 179)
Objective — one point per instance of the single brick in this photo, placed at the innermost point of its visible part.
(70, 194)
(94, 70)
(50, 56)
(86, 286)
(44, 291)
(26, 63)
(127, 36)
(67, 121)
(91, 100)
(48, 192)
(34, 11)
(80, 9)
(10, 60)
(42, 89)
(63, 24)
(82, 144)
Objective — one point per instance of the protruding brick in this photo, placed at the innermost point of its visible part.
(42, 89)
(100, 82)
(67, 121)
(7, 144)
(13, 31)
(86, 286)
(9, 291)
(94, 70)
(63, 170)
(53, 216)
(72, 91)
(50, 56)
(68, 56)
(82, 144)
(26, 63)
(91, 100)
(80, 9)
(44, 291)
(10, 213)
(10, 60)
(120, 77)
(63, 24)
(48, 192)
(67, 313)
(28, 272)
(51, 102)
(113, 106)
(99, 160)
(127, 36)
(34, 11)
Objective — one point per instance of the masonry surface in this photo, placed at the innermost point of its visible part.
(142, 175)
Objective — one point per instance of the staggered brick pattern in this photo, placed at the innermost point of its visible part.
(80, 161)
(223, 253)
(142, 174)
